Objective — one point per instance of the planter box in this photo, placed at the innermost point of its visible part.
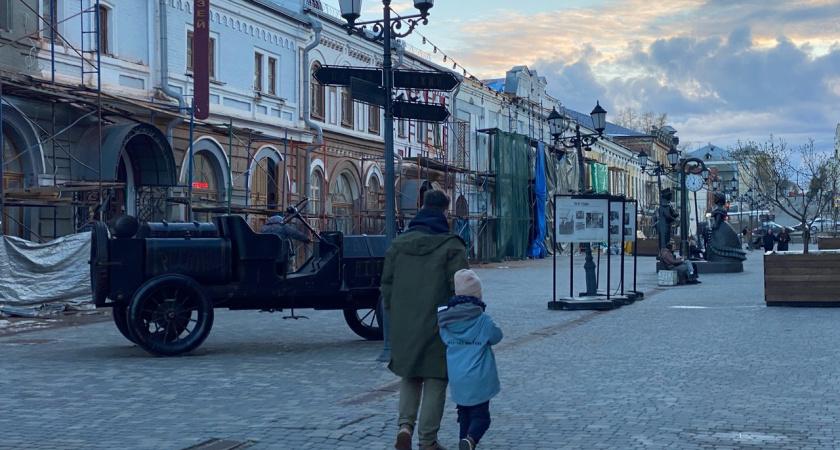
(650, 247)
(794, 279)
(828, 243)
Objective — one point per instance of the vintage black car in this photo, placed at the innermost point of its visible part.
(163, 280)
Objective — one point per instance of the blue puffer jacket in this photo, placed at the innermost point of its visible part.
(468, 334)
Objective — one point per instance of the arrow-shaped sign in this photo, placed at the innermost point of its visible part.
(365, 92)
(433, 81)
(340, 76)
(420, 112)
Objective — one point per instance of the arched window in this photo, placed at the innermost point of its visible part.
(344, 196)
(266, 189)
(12, 179)
(317, 93)
(205, 183)
(316, 186)
(374, 194)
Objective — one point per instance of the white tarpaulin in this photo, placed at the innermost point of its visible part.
(33, 274)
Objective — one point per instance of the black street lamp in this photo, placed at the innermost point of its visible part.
(559, 124)
(384, 30)
(678, 165)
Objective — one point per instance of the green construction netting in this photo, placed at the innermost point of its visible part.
(598, 174)
(514, 211)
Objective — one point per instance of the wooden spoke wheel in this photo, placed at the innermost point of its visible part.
(170, 315)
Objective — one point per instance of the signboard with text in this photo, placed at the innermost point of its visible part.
(201, 59)
(580, 219)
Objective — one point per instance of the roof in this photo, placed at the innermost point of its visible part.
(711, 152)
(611, 129)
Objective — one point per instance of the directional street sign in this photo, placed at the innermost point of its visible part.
(437, 81)
(420, 112)
(365, 92)
(340, 76)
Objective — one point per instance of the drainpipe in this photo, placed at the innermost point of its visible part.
(307, 106)
(164, 73)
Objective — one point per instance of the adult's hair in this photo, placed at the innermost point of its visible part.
(436, 199)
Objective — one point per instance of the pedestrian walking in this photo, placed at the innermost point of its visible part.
(469, 334)
(769, 240)
(784, 240)
(745, 237)
(418, 278)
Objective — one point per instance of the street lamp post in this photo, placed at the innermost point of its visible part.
(384, 30)
(678, 165)
(559, 124)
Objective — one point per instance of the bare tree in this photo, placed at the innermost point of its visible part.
(630, 117)
(781, 172)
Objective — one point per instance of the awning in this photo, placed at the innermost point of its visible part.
(144, 145)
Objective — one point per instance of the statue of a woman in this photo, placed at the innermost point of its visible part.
(725, 243)
(665, 217)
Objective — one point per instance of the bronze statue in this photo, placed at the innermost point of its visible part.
(666, 216)
(724, 243)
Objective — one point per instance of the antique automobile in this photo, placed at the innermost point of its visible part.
(163, 280)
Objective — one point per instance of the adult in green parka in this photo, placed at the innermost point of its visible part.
(417, 278)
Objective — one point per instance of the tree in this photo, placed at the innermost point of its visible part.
(643, 122)
(776, 170)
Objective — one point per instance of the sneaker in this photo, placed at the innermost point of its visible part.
(404, 437)
(466, 444)
(434, 446)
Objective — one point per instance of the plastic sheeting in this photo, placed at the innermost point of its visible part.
(598, 175)
(538, 249)
(55, 272)
(561, 176)
(514, 211)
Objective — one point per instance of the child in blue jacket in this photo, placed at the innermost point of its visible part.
(468, 334)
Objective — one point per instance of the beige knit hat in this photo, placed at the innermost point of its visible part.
(467, 283)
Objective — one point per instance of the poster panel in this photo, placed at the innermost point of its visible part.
(616, 222)
(630, 216)
(581, 220)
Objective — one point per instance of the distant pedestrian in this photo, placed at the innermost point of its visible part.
(769, 240)
(418, 276)
(469, 333)
(784, 240)
(745, 237)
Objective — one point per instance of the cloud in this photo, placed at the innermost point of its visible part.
(722, 70)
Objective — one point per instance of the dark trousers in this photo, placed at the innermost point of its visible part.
(474, 420)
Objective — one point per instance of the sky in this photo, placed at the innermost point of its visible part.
(722, 70)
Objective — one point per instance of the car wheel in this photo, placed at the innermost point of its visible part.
(120, 313)
(813, 229)
(170, 315)
(366, 322)
(100, 282)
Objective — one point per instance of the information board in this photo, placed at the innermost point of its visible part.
(630, 215)
(616, 222)
(581, 220)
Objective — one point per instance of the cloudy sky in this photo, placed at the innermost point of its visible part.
(722, 70)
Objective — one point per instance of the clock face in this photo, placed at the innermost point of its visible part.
(694, 182)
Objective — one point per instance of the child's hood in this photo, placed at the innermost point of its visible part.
(458, 319)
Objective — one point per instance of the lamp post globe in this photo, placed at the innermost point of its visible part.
(673, 156)
(350, 10)
(643, 159)
(599, 118)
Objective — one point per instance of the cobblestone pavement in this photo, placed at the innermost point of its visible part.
(690, 367)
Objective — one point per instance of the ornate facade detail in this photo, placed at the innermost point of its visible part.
(359, 55)
(331, 43)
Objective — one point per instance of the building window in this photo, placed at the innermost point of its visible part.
(258, 72)
(204, 183)
(6, 14)
(103, 31)
(211, 58)
(401, 128)
(47, 7)
(316, 187)
(272, 76)
(12, 179)
(373, 119)
(347, 106)
(318, 95)
(344, 196)
(374, 194)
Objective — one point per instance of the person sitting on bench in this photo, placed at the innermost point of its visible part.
(672, 262)
(286, 232)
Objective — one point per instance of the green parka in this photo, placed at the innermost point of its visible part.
(417, 278)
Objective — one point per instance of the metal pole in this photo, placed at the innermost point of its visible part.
(230, 163)
(683, 213)
(589, 264)
(190, 181)
(390, 200)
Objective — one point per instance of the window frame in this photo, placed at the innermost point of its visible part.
(211, 60)
(317, 96)
(373, 120)
(103, 21)
(348, 107)
(272, 75)
(258, 72)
